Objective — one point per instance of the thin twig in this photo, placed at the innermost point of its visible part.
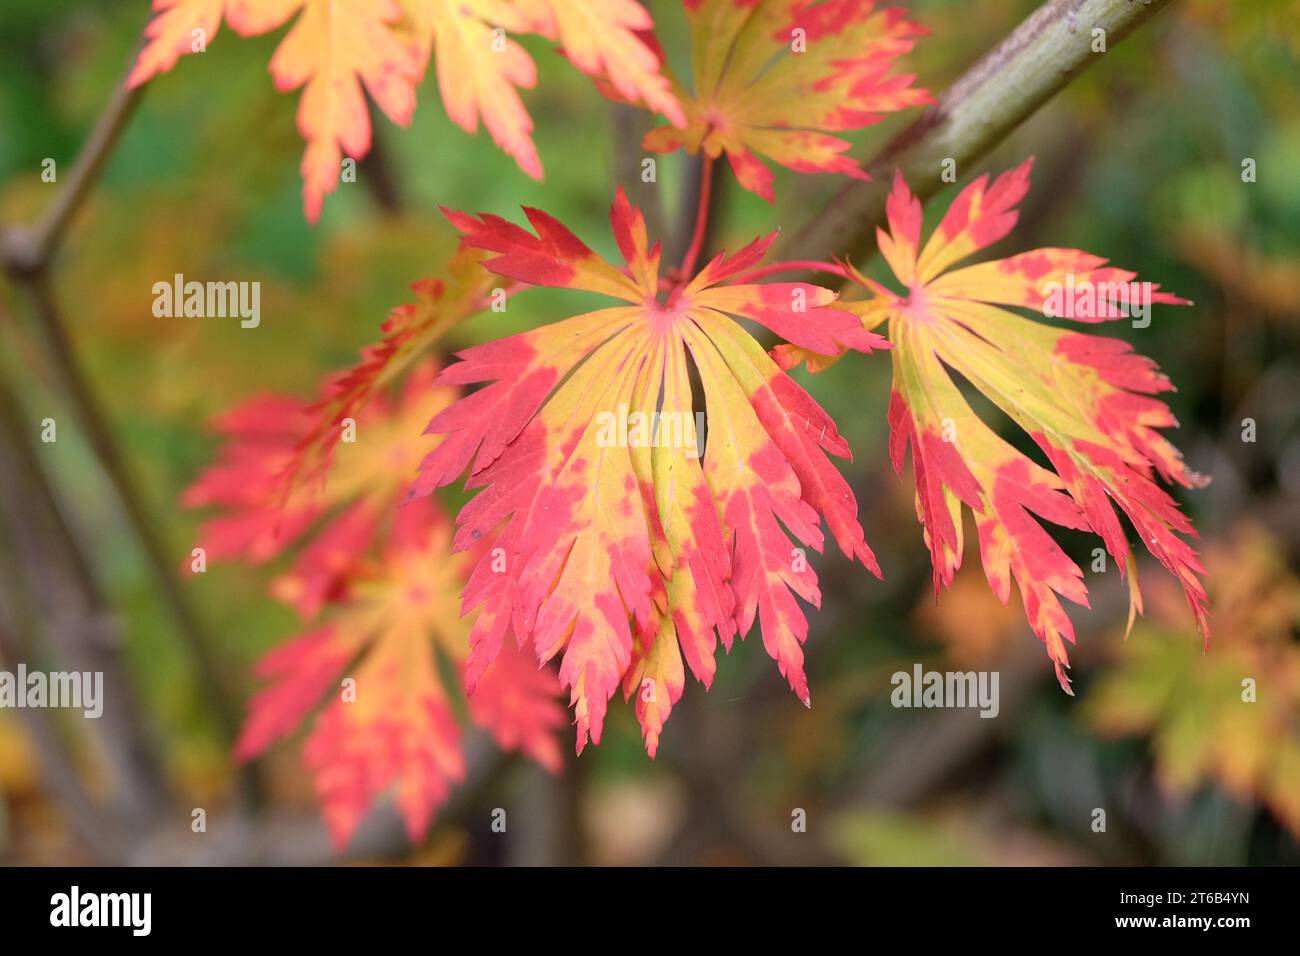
(702, 211)
(30, 251)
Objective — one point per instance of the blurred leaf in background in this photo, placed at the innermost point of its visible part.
(1230, 716)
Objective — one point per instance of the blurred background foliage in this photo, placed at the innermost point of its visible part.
(1139, 160)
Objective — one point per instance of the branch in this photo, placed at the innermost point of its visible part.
(997, 94)
(628, 126)
(698, 211)
(377, 171)
(162, 563)
(26, 252)
(702, 210)
(26, 255)
(58, 769)
(75, 615)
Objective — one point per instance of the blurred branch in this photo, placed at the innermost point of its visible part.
(99, 434)
(26, 256)
(57, 766)
(993, 97)
(709, 748)
(923, 757)
(76, 616)
(28, 252)
(629, 125)
(377, 171)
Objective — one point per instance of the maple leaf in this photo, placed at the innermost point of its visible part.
(381, 579)
(480, 69)
(392, 724)
(334, 48)
(339, 50)
(611, 40)
(1193, 706)
(380, 576)
(1086, 401)
(518, 703)
(177, 28)
(409, 332)
(274, 478)
(777, 77)
(623, 540)
(263, 512)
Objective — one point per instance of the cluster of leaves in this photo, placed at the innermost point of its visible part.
(757, 63)
(339, 50)
(628, 553)
(629, 558)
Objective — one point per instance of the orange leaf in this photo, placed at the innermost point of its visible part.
(333, 49)
(338, 48)
(775, 78)
(611, 40)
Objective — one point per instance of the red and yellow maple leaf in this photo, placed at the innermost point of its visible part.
(274, 478)
(612, 41)
(409, 332)
(339, 50)
(334, 49)
(480, 69)
(388, 590)
(392, 724)
(1086, 401)
(342, 512)
(777, 77)
(623, 541)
